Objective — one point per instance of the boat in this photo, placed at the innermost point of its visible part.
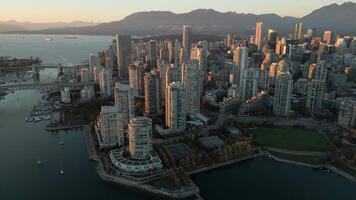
(49, 39)
(61, 172)
(39, 162)
(71, 37)
(61, 143)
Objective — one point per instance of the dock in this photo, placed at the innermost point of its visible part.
(90, 144)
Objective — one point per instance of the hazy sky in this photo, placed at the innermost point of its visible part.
(109, 10)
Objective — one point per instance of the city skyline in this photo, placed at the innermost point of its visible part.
(41, 11)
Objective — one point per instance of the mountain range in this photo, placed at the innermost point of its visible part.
(340, 18)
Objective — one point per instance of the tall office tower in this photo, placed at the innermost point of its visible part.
(176, 106)
(259, 35)
(97, 70)
(177, 47)
(125, 103)
(152, 93)
(191, 81)
(347, 112)
(315, 95)
(152, 53)
(173, 74)
(85, 75)
(283, 94)
(281, 47)
(298, 32)
(353, 46)
(136, 73)
(328, 38)
(171, 52)
(106, 82)
(272, 38)
(187, 37)
(140, 138)
(111, 127)
(109, 58)
(162, 68)
(183, 56)
(93, 61)
(240, 61)
(310, 32)
(249, 85)
(124, 55)
(318, 71)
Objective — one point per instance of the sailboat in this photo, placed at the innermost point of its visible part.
(61, 172)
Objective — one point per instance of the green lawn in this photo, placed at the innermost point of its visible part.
(313, 160)
(165, 182)
(345, 168)
(291, 139)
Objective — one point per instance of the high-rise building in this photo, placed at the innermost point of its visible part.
(259, 35)
(97, 70)
(240, 61)
(109, 58)
(136, 73)
(328, 38)
(124, 55)
(93, 61)
(187, 37)
(298, 32)
(191, 81)
(152, 53)
(85, 75)
(283, 94)
(110, 127)
(249, 84)
(176, 106)
(106, 82)
(65, 95)
(315, 95)
(152, 93)
(124, 101)
(140, 138)
(272, 38)
(318, 71)
(347, 113)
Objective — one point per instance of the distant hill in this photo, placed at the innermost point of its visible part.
(341, 18)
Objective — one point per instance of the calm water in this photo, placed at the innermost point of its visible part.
(22, 144)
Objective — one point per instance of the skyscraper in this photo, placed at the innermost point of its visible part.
(124, 101)
(106, 82)
(315, 95)
(283, 94)
(347, 112)
(328, 37)
(272, 38)
(93, 62)
(136, 73)
(176, 106)
(249, 84)
(187, 37)
(191, 81)
(110, 127)
(152, 53)
(124, 55)
(140, 138)
(259, 35)
(240, 61)
(298, 32)
(152, 93)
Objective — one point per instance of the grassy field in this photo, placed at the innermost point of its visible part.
(166, 182)
(313, 160)
(345, 168)
(291, 139)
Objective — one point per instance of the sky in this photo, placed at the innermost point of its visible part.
(110, 10)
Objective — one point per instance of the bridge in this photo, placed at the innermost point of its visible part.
(46, 86)
(38, 67)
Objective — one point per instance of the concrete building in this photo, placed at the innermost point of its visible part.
(124, 55)
(240, 61)
(328, 38)
(298, 31)
(187, 37)
(283, 94)
(249, 84)
(109, 58)
(259, 35)
(87, 93)
(105, 82)
(124, 101)
(85, 75)
(140, 138)
(347, 112)
(97, 70)
(191, 81)
(93, 61)
(136, 74)
(152, 93)
(152, 54)
(315, 95)
(176, 106)
(109, 127)
(65, 96)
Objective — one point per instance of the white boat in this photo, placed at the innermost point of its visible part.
(61, 172)
(61, 143)
(48, 39)
(39, 162)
